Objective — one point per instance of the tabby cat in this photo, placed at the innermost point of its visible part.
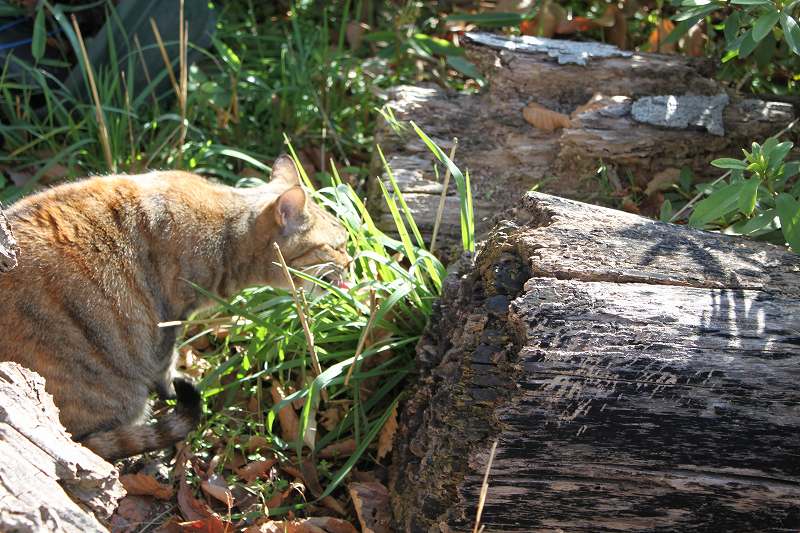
(104, 260)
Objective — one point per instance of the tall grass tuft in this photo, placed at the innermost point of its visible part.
(363, 339)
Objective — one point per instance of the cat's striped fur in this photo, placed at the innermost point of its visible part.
(103, 261)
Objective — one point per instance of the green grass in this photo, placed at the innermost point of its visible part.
(394, 286)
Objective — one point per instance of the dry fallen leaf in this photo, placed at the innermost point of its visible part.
(544, 119)
(657, 36)
(333, 504)
(131, 513)
(355, 33)
(190, 364)
(146, 485)
(694, 42)
(255, 470)
(332, 525)
(342, 448)
(216, 487)
(256, 443)
(663, 180)
(290, 424)
(371, 501)
(386, 436)
(330, 417)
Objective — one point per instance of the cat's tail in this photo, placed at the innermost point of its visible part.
(126, 441)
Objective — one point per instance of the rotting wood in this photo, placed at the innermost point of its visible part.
(8, 246)
(48, 482)
(507, 156)
(638, 376)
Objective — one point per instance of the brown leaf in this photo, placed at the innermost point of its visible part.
(355, 33)
(330, 417)
(131, 513)
(146, 485)
(371, 501)
(657, 36)
(617, 34)
(544, 119)
(333, 504)
(190, 364)
(170, 526)
(256, 469)
(386, 436)
(309, 470)
(342, 448)
(663, 180)
(290, 424)
(256, 443)
(546, 22)
(694, 42)
(212, 524)
(216, 487)
(332, 525)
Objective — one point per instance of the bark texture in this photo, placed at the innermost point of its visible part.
(639, 114)
(48, 482)
(8, 246)
(637, 376)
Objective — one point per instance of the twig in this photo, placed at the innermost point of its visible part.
(484, 490)
(144, 68)
(440, 210)
(101, 121)
(301, 315)
(183, 43)
(363, 340)
(165, 57)
(699, 195)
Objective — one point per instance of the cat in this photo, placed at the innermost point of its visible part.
(103, 261)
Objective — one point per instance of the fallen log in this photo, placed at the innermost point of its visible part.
(48, 482)
(636, 376)
(638, 114)
(8, 246)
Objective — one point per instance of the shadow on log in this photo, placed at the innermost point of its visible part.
(637, 375)
(48, 482)
(641, 115)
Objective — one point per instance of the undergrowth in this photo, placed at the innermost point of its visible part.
(267, 400)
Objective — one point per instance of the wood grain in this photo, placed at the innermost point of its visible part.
(48, 482)
(637, 375)
(507, 156)
(8, 246)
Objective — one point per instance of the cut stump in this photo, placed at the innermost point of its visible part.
(640, 115)
(48, 482)
(636, 375)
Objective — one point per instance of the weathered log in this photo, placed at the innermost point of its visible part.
(8, 246)
(48, 482)
(637, 376)
(645, 123)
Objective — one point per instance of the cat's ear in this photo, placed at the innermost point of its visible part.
(291, 207)
(284, 171)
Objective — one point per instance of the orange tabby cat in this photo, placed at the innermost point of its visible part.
(104, 260)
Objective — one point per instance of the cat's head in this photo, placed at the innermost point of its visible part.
(310, 239)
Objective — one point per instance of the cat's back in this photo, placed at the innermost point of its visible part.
(83, 239)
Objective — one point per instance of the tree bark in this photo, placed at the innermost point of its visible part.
(507, 156)
(48, 482)
(8, 246)
(636, 375)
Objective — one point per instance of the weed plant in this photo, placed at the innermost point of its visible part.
(363, 338)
